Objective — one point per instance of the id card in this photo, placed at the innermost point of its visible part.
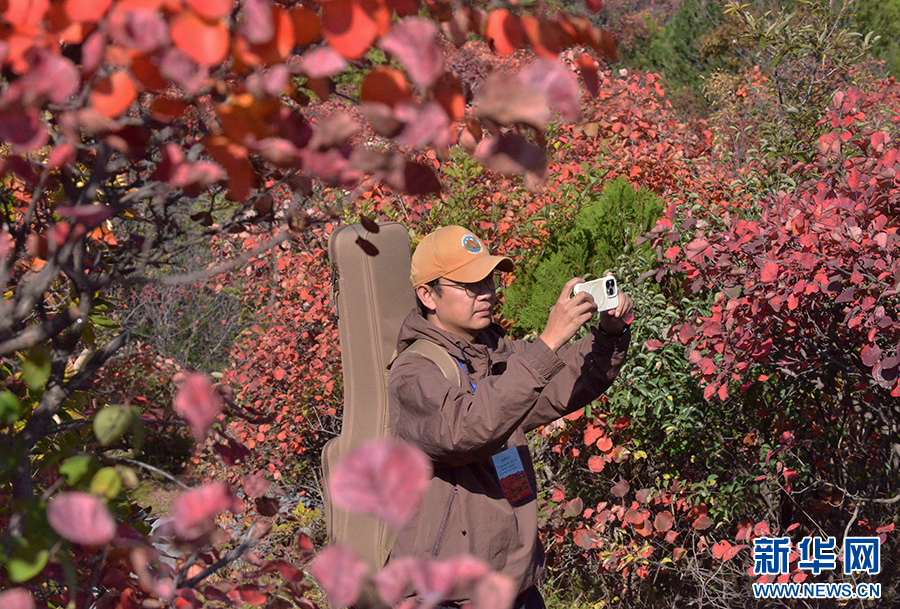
(511, 473)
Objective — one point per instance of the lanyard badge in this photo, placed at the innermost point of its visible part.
(511, 473)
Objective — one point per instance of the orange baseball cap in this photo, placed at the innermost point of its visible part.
(455, 253)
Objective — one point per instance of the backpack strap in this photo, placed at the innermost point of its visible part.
(437, 354)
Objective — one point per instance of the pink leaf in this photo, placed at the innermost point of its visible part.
(16, 598)
(663, 522)
(383, 477)
(394, 580)
(620, 489)
(426, 124)
(322, 62)
(412, 42)
(435, 581)
(256, 25)
(557, 83)
(494, 591)
(88, 215)
(255, 486)
(769, 272)
(52, 76)
(510, 154)
(340, 572)
(871, 355)
(143, 30)
(194, 510)
(21, 128)
(198, 403)
(81, 518)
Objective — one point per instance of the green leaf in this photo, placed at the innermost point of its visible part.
(10, 408)
(36, 368)
(107, 482)
(75, 468)
(137, 431)
(26, 560)
(111, 422)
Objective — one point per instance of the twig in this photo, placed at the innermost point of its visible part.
(246, 543)
(151, 468)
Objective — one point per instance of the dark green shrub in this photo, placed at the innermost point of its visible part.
(600, 233)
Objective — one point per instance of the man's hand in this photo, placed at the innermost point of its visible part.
(569, 314)
(613, 322)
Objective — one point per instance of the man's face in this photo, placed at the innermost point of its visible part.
(464, 309)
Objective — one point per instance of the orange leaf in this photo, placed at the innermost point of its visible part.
(112, 95)
(86, 10)
(385, 85)
(505, 33)
(25, 12)
(233, 158)
(211, 9)
(448, 92)
(545, 38)
(348, 27)
(206, 42)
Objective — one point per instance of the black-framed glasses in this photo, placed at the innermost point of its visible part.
(473, 290)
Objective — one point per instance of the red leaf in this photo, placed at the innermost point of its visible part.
(634, 517)
(412, 42)
(349, 27)
(340, 573)
(86, 10)
(385, 478)
(702, 523)
(706, 366)
(769, 272)
(52, 76)
(255, 486)
(596, 464)
(591, 434)
(198, 402)
(719, 549)
(211, 9)
(663, 522)
(588, 68)
(16, 598)
(113, 95)
(504, 32)
(206, 42)
(81, 518)
(22, 129)
(604, 444)
(593, 5)
(620, 489)
(385, 85)
(278, 374)
(193, 511)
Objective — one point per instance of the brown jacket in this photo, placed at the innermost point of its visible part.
(519, 386)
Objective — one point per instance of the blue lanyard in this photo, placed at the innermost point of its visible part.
(465, 372)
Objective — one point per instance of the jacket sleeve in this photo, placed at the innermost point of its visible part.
(454, 425)
(591, 365)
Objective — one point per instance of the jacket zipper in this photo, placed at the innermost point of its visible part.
(443, 529)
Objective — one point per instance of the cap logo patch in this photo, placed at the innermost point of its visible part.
(471, 244)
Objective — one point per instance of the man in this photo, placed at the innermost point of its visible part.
(475, 433)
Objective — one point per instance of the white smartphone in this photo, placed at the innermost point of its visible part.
(604, 290)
